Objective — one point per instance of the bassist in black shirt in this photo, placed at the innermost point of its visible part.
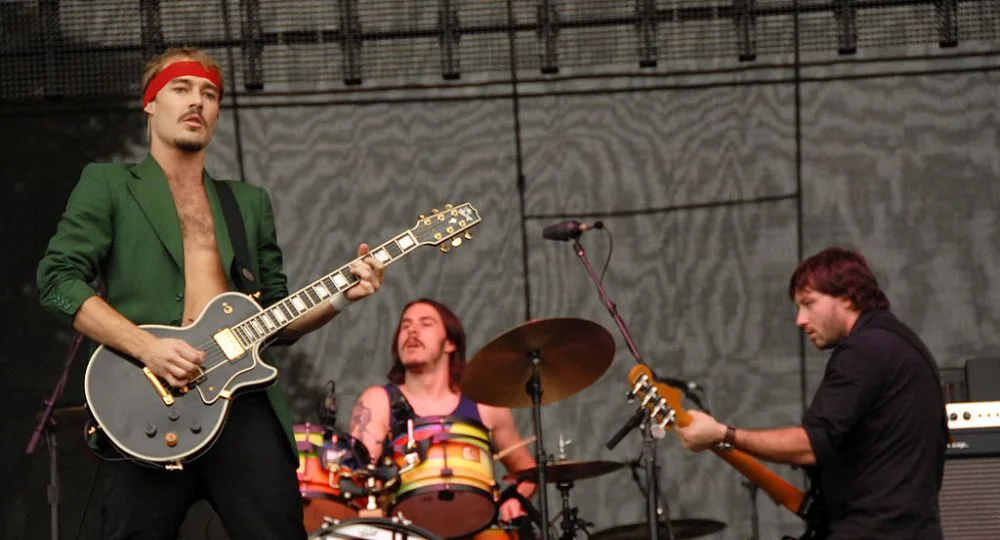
(875, 433)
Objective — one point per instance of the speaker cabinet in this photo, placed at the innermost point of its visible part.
(970, 493)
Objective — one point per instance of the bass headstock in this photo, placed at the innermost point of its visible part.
(661, 401)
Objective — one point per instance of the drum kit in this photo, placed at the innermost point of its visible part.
(436, 479)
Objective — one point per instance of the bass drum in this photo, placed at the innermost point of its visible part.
(371, 529)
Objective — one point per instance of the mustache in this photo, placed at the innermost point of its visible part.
(189, 114)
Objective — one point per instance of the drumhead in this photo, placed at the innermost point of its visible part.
(371, 528)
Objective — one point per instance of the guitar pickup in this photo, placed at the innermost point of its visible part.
(229, 343)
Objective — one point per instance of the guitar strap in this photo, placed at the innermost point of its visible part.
(240, 271)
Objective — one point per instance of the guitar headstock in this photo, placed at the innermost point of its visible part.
(447, 228)
(661, 401)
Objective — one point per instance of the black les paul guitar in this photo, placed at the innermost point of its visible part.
(148, 421)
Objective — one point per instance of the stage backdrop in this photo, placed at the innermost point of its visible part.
(712, 177)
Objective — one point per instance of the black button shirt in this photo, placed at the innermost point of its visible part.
(877, 426)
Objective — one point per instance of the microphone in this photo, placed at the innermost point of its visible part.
(631, 424)
(568, 230)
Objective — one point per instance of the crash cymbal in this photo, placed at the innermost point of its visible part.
(682, 528)
(573, 353)
(567, 471)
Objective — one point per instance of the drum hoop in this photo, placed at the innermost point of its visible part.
(384, 522)
(398, 438)
(311, 494)
(448, 419)
(434, 488)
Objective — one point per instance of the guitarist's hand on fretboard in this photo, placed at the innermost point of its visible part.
(702, 433)
(370, 272)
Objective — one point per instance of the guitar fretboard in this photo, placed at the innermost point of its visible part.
(279, 315)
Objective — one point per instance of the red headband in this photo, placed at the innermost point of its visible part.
(179, 69)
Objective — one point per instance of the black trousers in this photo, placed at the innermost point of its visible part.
(248, 476)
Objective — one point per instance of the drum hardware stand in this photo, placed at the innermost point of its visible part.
(754, 516)
(571, 521)
(534, 389)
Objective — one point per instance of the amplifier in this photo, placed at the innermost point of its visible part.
(970, 492)
(973, 414)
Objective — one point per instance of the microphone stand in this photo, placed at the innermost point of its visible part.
(47, 425)
(649, 442)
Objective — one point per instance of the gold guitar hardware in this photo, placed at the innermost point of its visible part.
(227, 309)
(166, 396)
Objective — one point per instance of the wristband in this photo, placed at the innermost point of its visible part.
(339, 302)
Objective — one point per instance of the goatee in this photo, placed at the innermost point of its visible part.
(188, 146)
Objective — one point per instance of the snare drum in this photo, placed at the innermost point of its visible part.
(373, 528)
(451, 491)
(324, 461)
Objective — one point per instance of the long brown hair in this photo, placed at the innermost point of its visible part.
(453, 330)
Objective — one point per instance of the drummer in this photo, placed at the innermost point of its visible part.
(428, 353)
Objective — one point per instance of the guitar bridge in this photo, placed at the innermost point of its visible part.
(229, 343)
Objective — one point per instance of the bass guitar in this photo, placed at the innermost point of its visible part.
(663, 404)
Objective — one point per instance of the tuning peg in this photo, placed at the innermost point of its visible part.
(445, 248)
(448, 207)
(435, 211)
(468, 236)
(457, 241)
(422, 217)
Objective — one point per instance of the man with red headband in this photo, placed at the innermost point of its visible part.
(155, 235)
(873, 439)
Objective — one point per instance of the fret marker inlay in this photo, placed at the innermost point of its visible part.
(321, 291)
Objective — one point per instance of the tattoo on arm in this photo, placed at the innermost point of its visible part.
(361, 416)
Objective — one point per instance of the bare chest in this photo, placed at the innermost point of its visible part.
(195, 215)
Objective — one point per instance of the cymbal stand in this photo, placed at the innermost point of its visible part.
(654, 513)
(571, 521)
(754, 515)
(534, 389)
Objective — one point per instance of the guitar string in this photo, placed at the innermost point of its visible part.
(219, 354)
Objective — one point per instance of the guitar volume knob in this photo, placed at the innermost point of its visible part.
(150, 430)
(173, 415)
(195, 427)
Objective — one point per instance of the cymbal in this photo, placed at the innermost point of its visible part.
(682, 528)
(567, 471)
(573, 353)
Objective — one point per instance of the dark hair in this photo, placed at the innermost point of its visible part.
(453, 330)
(839, 272)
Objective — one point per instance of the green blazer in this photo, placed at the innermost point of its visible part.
(121, 224)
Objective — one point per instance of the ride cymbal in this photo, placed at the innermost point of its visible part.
(566, 471)
(682, 529)
(572, 354)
